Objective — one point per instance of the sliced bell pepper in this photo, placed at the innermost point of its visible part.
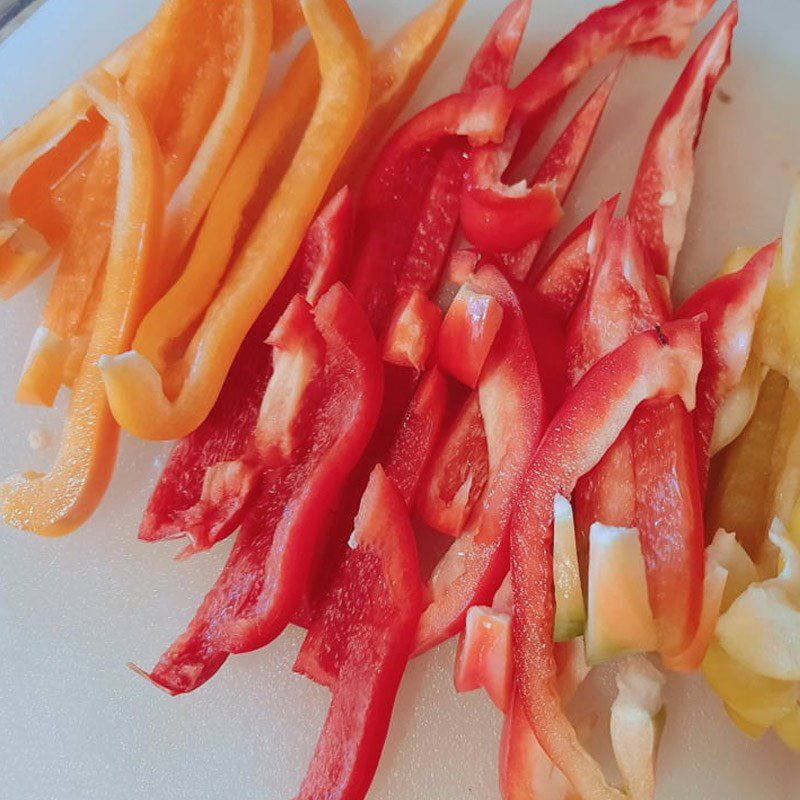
(468, 331)
(659, 363)
(177, 507)
(56, 503)
(189, 177)
(397, 69)
(648, 479)
(731, 304)
(739, 481)
(560, 168)
(31, 158)
(661, 194)
(457, 472)
(565, 275)
(484, 659)
(430, 215)
(265, 576)
(135, 388)
(187, 299)
(511, 403)
(412, 332)
(397, 187)
(359, 643)
(661, 27)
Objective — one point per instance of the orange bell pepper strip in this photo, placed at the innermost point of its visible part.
(28, 231)
(56, 503)
(397, 69)
(135, 388)
(179, 137)
(187, 299)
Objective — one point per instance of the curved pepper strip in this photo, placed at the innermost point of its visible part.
(267, 572)
(661, 27)
(135, 388)
(510, 222)
(187, 299)
(659, 363)
(177, 506)
(510, 396)
(27, 243)
(662, 191)
(731, 304)
(359, 644)
(56, 503)
(561, 166)
(184, 143)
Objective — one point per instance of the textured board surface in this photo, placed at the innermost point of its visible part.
(75, 724)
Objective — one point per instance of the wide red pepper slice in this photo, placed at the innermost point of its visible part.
(266, 574)
(662, 191)
(731, 304)
(659, 363)
(359, 643)
(177, 507)
(511, 403)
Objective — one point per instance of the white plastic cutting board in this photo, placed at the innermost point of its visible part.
(75, 724)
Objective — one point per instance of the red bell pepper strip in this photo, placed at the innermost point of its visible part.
(660, 363)
(565, 275)
(412, 332)
(437, 216)
(492, 64)
(359, 643)
(661, 27)
(176, 507)
(660, 198)
(266, 574)
(510, 222)
(468, 330)
(561, 166)
(457, 472)
(623, 297)
(397, 187)
(731, 304)
(510, 398)
(417, 435)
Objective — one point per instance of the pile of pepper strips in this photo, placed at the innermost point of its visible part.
(451, 375)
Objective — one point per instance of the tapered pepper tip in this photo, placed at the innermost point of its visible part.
(148, 677)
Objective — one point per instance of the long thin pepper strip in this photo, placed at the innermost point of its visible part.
(191, 294)
(134, 386)
(56, 503)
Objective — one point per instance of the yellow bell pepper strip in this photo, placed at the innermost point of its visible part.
(25, 248)
(56, 503)
(738, 493)
(397, 69)
(135, 388)
(194, 289)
